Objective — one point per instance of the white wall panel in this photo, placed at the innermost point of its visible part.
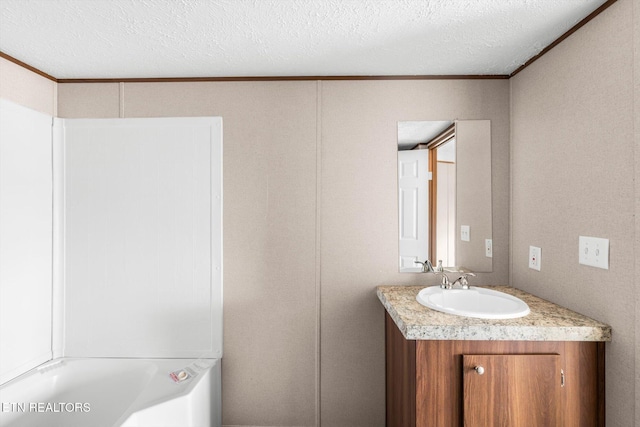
(142, 227)
(25, 239)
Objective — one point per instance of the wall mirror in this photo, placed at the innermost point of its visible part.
(444, 194)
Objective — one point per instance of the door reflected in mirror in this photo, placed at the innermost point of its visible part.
(444, 194)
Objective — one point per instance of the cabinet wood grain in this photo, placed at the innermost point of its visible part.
(426, 385)
(400, 378)
(520, 390)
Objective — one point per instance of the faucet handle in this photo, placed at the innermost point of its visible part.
(445, 284)
(463, 279)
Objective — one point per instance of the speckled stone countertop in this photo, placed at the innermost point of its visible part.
(545, 322)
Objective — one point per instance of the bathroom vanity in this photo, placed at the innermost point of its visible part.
(544, 369)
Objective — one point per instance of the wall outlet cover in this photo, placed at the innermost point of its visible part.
(488, 248)
(535, 258)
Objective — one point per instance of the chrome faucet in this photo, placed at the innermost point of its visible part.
(427, 267)
(462, 280)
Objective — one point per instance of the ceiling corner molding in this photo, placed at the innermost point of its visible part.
(281, 78)
(27, 66)
(564, 36)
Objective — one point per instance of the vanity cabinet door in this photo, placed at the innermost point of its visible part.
(514, 390)
(432, 383)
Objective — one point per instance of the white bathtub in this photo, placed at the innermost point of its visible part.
(71, 392)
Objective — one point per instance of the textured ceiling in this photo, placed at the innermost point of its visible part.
(234, 38)
(413, 133)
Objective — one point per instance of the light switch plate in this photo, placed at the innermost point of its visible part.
(593, 251)
(535, 257)
(465, 233)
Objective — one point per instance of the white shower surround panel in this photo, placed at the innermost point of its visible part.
(140, 236)
(25, 239)
(201, 38)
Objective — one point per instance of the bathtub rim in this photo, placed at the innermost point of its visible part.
(148, 397)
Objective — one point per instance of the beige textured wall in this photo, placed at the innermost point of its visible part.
(359, 221)
(26, 88)
(305, 248)
(636, 114)
(572, 164)
(88, 100)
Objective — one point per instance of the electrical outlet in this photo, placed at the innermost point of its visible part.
(465, 233)
(593, 251)
(535, 258)
(488, 248)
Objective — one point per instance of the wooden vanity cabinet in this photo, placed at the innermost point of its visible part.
(523, 384)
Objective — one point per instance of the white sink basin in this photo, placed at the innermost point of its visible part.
(473, 302)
